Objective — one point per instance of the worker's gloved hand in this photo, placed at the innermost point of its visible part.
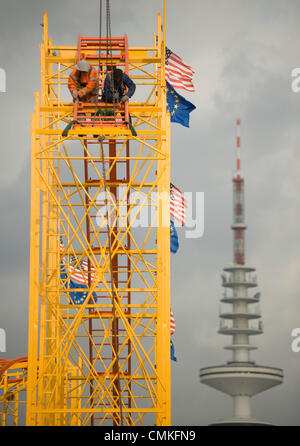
(124, 98)
(75, 94)
(116, 96)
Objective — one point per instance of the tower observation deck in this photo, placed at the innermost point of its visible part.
(241, 377)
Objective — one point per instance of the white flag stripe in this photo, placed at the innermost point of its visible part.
(178, 200)
(78, 276)
(177, 76)
(177, 194)
(78, 279)
(178, 218)
(177, 213)
(176, 81)
(85, 265)
(176, 189)
(191, 90)
(172, 323)
(179, 72)
(178, 84)
(179, 60)
(180, 209)
(173, 61)
(177, 204)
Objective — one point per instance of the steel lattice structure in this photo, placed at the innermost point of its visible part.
(88, 364)
(91, 367)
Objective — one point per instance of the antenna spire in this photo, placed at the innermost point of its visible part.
(238, 146)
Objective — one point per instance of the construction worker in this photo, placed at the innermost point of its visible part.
(83, 83)
(120, 90)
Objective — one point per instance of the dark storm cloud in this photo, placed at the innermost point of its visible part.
(14, 224)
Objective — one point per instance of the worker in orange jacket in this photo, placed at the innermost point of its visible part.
(83, 82)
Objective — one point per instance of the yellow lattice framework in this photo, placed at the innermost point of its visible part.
(89, 365)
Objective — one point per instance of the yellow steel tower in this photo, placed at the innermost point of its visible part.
(100, 212)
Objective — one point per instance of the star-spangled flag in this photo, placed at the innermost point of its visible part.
(74, 278)
(85, 267)
(179, 107)
(79, 279)
(172, 323)
(178, 204)
(177, 73)
(77, 274)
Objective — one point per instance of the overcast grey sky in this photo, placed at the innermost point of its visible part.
(243, 52)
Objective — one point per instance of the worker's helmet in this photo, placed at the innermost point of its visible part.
(83, 66)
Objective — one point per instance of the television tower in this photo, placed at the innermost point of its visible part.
(240, 378)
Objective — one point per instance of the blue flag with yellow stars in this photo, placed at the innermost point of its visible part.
(179, 107)
(173, 357)
(174, 244)
(78, 297)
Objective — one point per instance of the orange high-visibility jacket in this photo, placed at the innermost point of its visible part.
(86, 83)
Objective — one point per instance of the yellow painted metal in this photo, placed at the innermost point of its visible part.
(13, 386)
(64, 387)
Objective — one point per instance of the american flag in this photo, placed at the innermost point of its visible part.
(178, 74)
(172, 323)
(178, 204)
(77, 273)
(85, 267)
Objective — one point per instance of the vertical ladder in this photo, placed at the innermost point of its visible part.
(88, 48)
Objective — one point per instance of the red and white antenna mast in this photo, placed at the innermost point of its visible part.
(238, 204)
(238, 145)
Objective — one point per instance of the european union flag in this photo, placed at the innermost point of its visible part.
(78, 297)
(174, 244)
(179, 107)
(173, 357)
